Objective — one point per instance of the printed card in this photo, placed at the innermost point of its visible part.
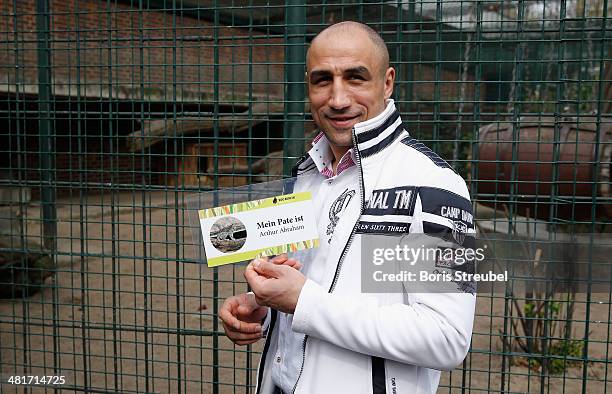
(266, 227)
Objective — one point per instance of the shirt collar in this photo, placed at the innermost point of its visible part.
(322, 156)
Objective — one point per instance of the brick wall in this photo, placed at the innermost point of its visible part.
(449, 86)
(135, 54)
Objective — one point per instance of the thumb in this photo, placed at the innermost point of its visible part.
(267, 268)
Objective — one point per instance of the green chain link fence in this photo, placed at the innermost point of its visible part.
(113, 113)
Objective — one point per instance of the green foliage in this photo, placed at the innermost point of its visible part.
(565, 348)
(541, 333)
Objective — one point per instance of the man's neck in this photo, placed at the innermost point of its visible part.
(338, 152)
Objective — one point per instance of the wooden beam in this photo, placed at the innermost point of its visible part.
(154, 131)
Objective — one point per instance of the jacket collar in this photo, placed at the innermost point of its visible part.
(375, 139)
(374, 135)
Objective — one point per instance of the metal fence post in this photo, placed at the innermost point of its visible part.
(216, 110)
(295, 58)
(46, 142)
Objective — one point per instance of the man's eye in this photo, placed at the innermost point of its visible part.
(321, 81)
(356, 78)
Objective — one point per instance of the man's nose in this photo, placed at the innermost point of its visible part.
(339, 96)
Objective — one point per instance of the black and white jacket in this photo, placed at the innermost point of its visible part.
(386, 342)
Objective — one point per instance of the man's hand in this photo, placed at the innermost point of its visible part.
(275, 285)
(241, 317)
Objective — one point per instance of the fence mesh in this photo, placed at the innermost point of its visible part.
(113, 113)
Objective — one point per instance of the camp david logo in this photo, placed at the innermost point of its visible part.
(459, 231)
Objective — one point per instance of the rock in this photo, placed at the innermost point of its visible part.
(23, 272)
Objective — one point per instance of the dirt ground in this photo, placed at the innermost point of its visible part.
(111, 314)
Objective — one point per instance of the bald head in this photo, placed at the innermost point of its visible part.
(352, 30)
(349, 80)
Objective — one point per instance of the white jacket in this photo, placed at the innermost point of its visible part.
(390, 342)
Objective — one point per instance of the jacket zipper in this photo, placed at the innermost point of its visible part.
(344, 251)
(266, 348)
(302, 367)
(350, 240)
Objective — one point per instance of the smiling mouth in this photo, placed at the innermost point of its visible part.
(342, 121)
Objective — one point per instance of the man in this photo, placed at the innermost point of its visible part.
(323, 334)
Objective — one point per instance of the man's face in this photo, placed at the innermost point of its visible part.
(346, 84)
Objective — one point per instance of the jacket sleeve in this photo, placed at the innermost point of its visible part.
(434, 331)
(431, 329)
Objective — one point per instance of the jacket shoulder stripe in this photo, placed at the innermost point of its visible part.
(445, 207)
(419, 146)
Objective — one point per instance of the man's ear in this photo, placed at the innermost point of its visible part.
(389, 81)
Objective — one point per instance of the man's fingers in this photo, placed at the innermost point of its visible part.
(280, 259)
(242, 327)
(227, 316)
(293, 263)
(244, 339)
(283, 259)
(251, 314)
(229, 320)
(234, 334)
(226, 313)
(254, 279)
(249, 328)
(268, 269)
(241, 319)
